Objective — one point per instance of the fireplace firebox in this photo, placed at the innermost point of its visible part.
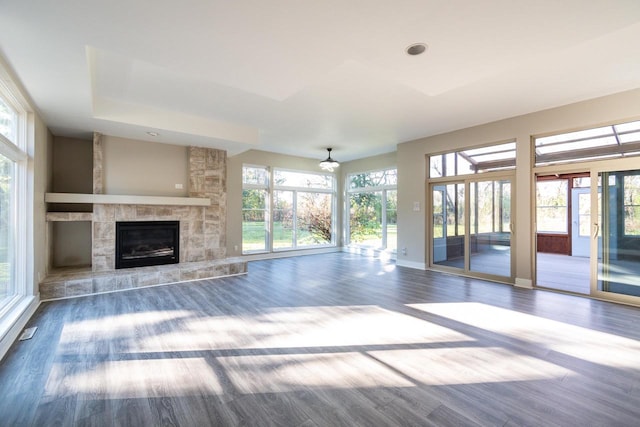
(146, 243)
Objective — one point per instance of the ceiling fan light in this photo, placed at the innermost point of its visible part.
(329, 164)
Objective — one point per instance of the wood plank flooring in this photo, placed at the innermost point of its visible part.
(326, 340)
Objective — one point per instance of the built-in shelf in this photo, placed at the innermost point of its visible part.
(114, 199)
(69, 216)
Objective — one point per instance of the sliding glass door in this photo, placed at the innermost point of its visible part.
(448, 238)
(618, 266)
(471, 227)
(490, 236)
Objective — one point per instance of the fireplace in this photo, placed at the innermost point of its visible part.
(145, 243)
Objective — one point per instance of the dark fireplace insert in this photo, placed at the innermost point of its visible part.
(145, 243)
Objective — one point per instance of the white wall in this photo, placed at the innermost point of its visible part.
(412, 171)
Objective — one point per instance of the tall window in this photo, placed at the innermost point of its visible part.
(255, 195)
(302, 209)
(12, 178)
(285, 210)
(551, 206)
(373, 209)
(631, 194)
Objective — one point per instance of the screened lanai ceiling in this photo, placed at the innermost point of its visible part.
(296, 77)
(619, 140)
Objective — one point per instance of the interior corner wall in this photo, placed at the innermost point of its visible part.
(412, 171)
(41, 160)
(141, 168)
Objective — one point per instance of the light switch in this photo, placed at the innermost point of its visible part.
(416, 206)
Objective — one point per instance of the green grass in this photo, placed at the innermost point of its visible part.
(253, 236)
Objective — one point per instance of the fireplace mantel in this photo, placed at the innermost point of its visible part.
(114, 199)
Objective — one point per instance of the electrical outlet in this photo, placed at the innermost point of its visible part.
(404, 251)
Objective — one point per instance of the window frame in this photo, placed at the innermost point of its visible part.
(294, 206)
(565, 207)
(468, 153)
(271, 188)
(383, 189)
(267, 221)
(17, 152)
(614, 132)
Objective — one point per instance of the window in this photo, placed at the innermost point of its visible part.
(303, 206)
(300, 214)
(8, 121)
(255, 192)
(621, 140)
(631, 191)
(373, 209)
(551, 206)
(475, 160)
(491, 206)
(13, 174)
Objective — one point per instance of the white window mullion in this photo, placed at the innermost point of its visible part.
(294, 219)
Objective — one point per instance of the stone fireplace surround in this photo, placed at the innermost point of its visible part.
(202, 234)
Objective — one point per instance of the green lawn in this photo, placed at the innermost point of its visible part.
(253, 236)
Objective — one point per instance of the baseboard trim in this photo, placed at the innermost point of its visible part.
(524, 283)
(411, 264)
(17, 319)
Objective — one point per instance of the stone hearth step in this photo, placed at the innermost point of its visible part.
(68, 282)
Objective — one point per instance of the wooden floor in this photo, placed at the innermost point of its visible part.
(327, 340)
(563, 272)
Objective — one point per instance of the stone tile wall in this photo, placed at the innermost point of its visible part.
(202, 234)
(202, 229)
(207, 178)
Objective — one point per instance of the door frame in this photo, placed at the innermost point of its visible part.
(594, 168)
(466, 180)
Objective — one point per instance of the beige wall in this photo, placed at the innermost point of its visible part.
(263, 158)
(134, 167)
(72, 165)
(412, 167)
(40, 162)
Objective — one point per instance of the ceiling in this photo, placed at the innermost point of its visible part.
(297, 76)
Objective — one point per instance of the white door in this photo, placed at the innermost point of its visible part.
(581, 222)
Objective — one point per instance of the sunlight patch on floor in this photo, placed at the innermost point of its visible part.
(586, 344)
(117, 326)
(451, 366)
(123, 379)
(286, 373)
(308, 327)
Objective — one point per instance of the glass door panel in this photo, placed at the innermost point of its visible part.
(448, 238)
(618, 268)
(490, 227)
(282, 219)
